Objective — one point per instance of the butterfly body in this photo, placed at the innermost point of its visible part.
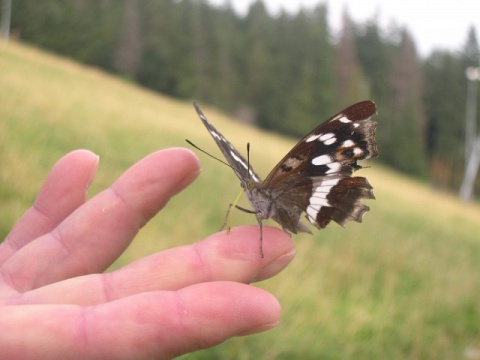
(315, 177)
(268, 204)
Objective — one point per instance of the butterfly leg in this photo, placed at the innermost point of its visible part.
(226, 222)
(259, 223)
(244, 210)
(261, 236)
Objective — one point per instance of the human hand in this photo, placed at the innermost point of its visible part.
(56, 304)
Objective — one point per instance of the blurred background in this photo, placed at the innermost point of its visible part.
(285, 65)
(118, 77)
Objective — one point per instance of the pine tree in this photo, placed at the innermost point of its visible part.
(312, 91)
(130, 45)
(405, 147)
(351, 84)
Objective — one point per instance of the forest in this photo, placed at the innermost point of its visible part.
(283, 72)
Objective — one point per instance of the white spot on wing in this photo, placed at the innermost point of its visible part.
(324, 137)
(324, 183)
(321, 160)
(313, 138)
(334, 167)
(344, 119)
(319, 198)
(357, 151)
(348, 143)
(327, 139)
(253, 176)
(330, 141)
(312, 212)
(217, 136)
(238, 159)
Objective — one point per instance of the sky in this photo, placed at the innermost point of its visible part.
(436, 24)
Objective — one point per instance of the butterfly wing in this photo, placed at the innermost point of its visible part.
(315, 176)
(238, 163)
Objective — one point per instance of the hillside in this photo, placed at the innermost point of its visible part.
(404, 284)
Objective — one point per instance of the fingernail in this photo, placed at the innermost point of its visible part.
(261, 328)
(93, 172)
(275, 266)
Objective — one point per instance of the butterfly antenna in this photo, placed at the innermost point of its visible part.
(248, 160)
(206, 153)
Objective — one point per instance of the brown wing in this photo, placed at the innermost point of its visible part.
(315, 176)
(332, 147)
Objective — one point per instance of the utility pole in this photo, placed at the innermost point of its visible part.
(472, 141)
(5, 20)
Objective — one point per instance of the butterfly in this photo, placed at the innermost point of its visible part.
(315, 177)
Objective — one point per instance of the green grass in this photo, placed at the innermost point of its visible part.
(404, 284)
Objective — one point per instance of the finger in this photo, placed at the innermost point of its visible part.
(157, 325)
(231, 257)
(92, 237)
(63, 191)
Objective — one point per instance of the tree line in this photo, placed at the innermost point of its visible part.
(284, 72)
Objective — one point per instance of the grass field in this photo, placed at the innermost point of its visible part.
(403, 285)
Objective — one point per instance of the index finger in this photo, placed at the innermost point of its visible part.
(94, 235)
